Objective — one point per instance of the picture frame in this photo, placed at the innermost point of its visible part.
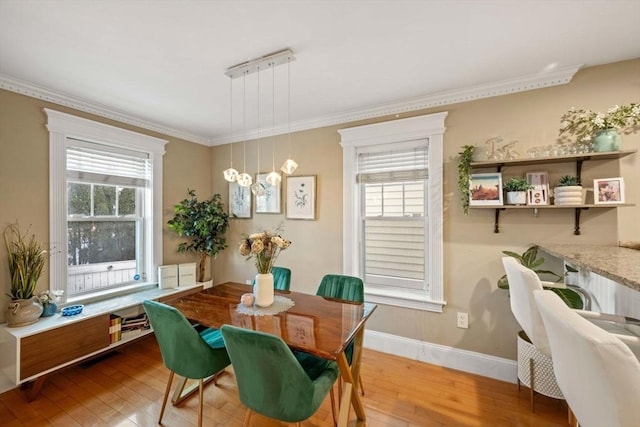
(270, 203)
(239, 201)
(485, 189)
(539, 194)
(608, 191)
(301, 197)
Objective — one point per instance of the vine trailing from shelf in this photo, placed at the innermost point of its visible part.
(464, 172)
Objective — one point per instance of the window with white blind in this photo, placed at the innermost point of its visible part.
(392, 188)
(392, 217)
(106, 189)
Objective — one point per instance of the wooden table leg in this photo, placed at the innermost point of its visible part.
(349, 376)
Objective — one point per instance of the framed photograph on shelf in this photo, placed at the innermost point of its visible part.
(485, 189)
(539, 194)
(270, 202)
(301, 197)
(239, 201)
(608, 191)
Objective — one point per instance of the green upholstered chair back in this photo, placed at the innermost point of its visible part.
(270, 380)
(183, 350)
(338, 286)
(281, 278)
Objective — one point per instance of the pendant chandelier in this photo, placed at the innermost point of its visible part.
(242, 70)
(231, 174)
(244, 179)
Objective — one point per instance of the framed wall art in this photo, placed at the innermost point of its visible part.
(270, 202)
(301, 197)
(608, 191)
(485, 189)
(539, 194)
(239, 201)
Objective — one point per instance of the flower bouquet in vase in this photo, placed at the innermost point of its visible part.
(263, 248)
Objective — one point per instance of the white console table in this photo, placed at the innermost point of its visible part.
(31, 352)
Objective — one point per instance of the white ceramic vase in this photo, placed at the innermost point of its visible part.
(568, 195)
(516, 198)
(263, 289)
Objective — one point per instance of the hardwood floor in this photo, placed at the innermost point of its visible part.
(126, 389)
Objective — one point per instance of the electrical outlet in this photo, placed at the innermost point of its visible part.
(463, 320)
(248, 282)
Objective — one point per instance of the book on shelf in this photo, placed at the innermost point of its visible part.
(115, 328)
(139, 322)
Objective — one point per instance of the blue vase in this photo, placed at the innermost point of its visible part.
(607, 140)
(49, 309)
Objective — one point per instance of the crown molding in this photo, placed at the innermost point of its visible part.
(471, 93)
(34, 91)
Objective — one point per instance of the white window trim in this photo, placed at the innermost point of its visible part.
(429, 127)
(62, 126)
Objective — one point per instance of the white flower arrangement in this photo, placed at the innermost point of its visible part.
(583, 124)
(264, 247)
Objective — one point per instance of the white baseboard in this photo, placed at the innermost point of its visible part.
(463, 360)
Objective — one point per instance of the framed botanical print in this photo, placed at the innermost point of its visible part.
(239, 201)
(301, 197)
(269, 203)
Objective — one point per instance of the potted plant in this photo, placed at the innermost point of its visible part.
(204, 223)
(26, 257)
(601, 128)
(464, 171)
(568, 191)
(529, 259)
(516, 189)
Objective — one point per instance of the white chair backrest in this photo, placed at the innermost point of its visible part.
(522, 283)
(597, 373)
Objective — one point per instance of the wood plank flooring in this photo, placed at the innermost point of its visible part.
(126, 389)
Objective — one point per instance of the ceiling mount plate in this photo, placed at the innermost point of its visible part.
(255, 65)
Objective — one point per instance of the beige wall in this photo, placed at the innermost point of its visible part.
(472, 250)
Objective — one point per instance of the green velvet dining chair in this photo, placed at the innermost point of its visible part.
(347, 288)
(281, 278)
(271, 381)
(184, 351)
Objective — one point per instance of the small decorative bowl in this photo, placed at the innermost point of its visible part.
(72, 310)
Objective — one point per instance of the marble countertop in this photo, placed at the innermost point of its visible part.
(619, 264)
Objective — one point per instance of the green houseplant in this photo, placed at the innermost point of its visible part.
(529, 259)
(568, 191)
(204, 223)
(464, 172)
(26, 257)
(516, 189)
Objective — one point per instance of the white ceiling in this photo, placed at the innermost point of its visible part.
(161, 64)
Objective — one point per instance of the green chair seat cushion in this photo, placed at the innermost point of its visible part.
(270, 379)
(213, 337)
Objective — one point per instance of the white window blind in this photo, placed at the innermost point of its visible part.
(107, 165)
(392, 185)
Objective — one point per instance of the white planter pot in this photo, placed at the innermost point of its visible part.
(516, 198)
(567, 196)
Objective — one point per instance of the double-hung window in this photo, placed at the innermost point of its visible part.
(393, 210)
(105, 203)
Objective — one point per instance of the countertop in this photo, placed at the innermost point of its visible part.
(619, 264)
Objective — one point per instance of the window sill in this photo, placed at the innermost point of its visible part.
(109, 294)
(405, 299)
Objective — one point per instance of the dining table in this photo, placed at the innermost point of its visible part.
(321, 326)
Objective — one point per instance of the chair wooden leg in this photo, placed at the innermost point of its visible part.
(361, 385)
(247, 418)
(201, 399)
(573, 421)
(166, 396)
(333, 408)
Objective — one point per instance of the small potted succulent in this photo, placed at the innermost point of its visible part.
(568, 191)
(516, 190)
